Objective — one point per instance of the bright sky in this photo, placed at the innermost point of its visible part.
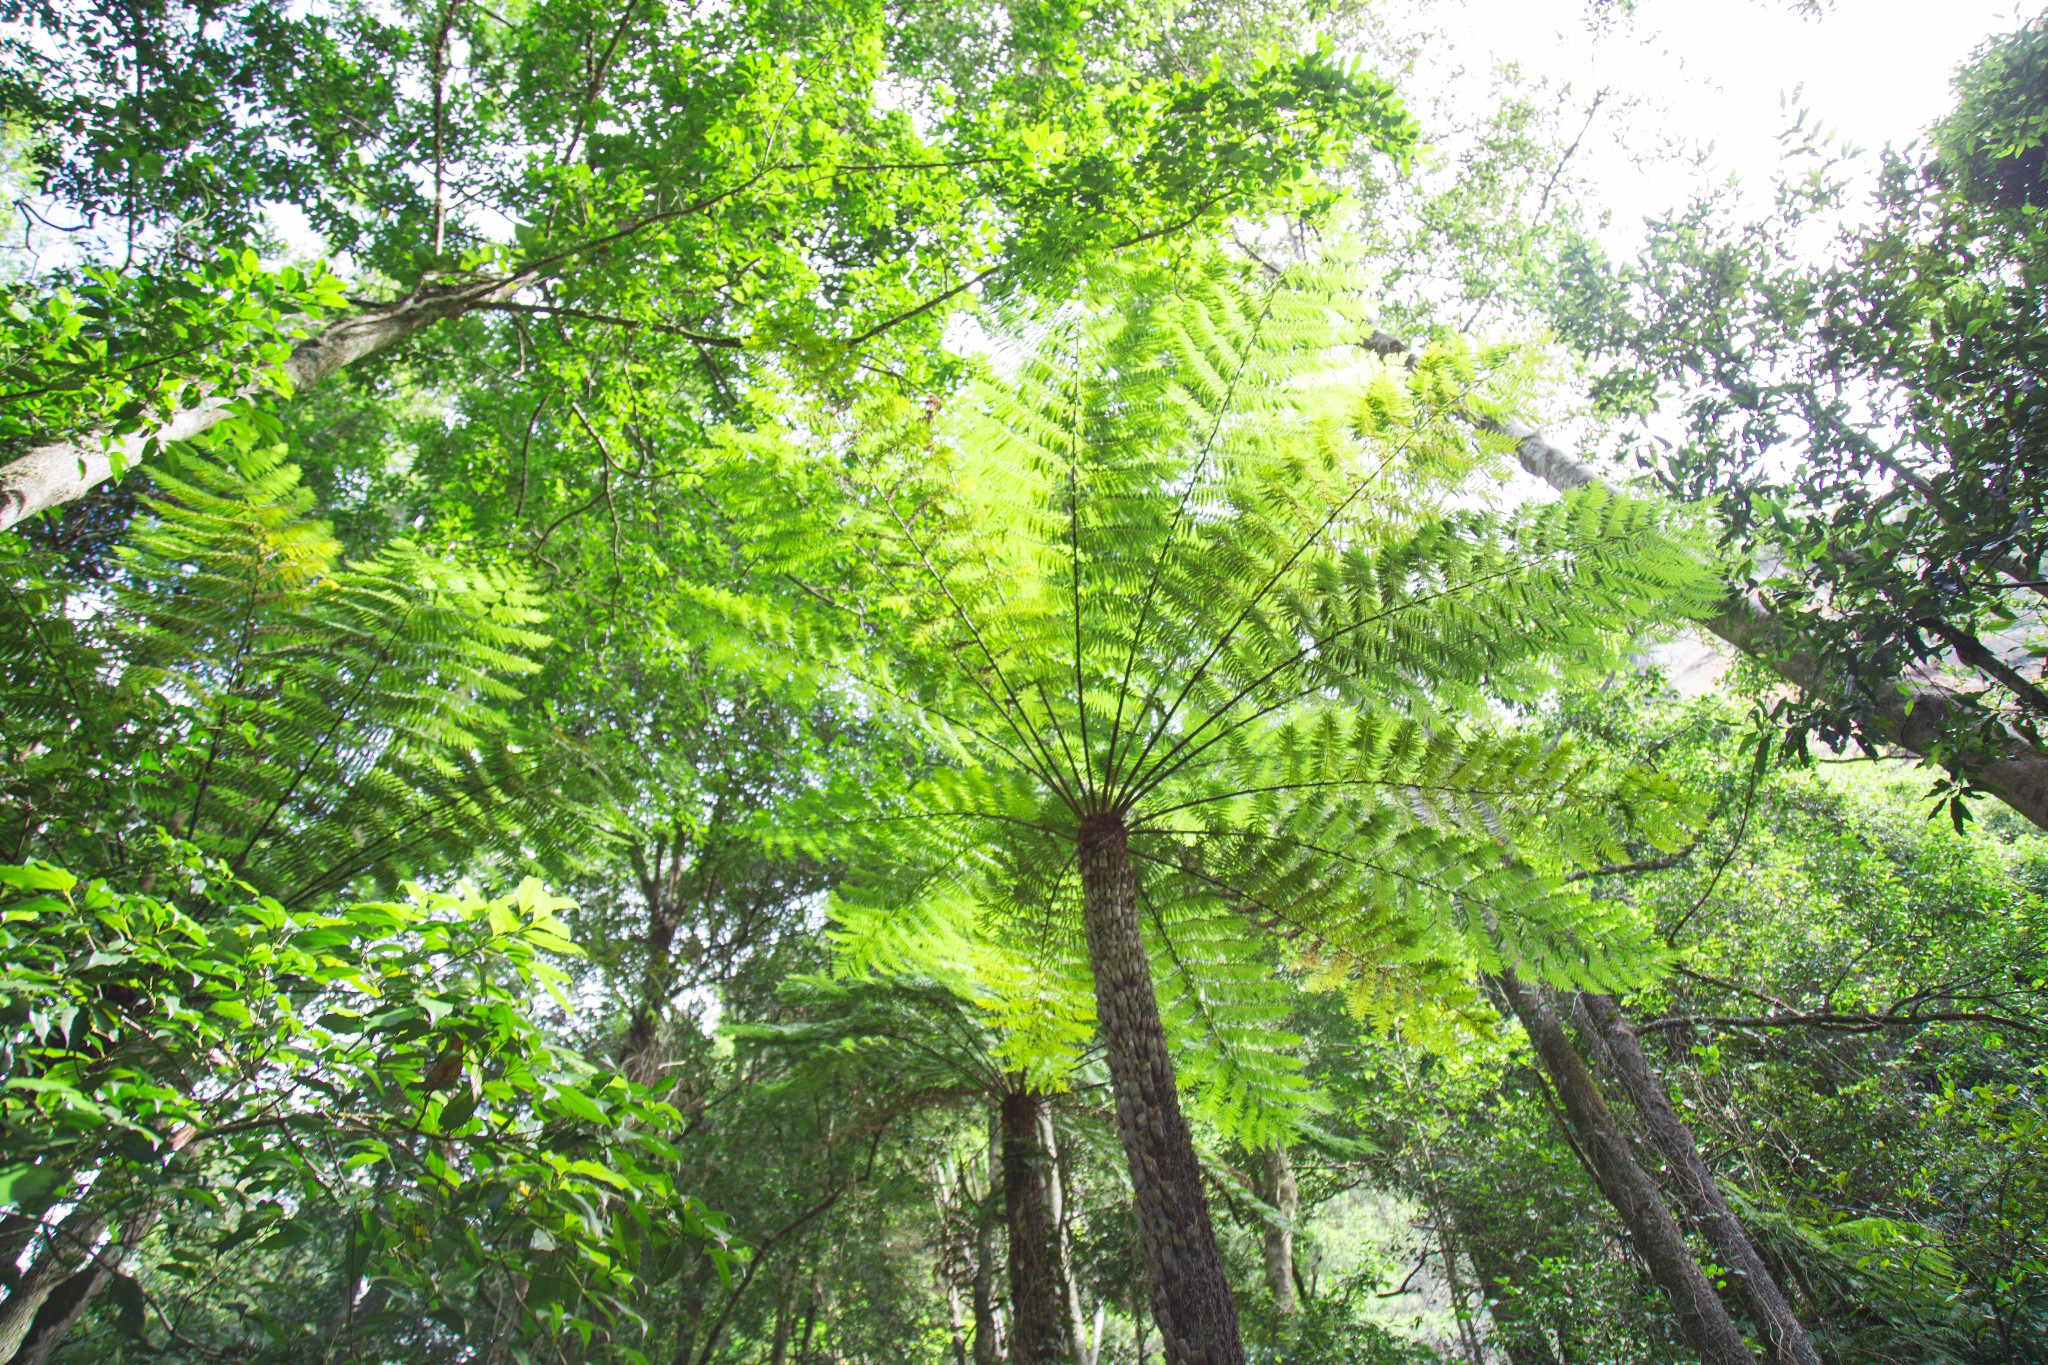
(1714, 71)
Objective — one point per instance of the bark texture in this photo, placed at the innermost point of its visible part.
(2018, 775)
(1702, 1319)
(1784, 1337)
(988, 1329)
(1039, 1330)
(55, 473)
(60, 1312)
(72, 1244)
(1190, 1293)
(988, 1333)
(54, 1321)
(1063, 1240)
(1279, 1191)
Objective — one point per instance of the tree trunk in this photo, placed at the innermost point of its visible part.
(640, 1060)
(1912, 719)
(1190, 1293)
(988, 1335)
(1784, 1337)
(1062, 1232)
(811, 1305)
(59, 1313)
(1039, 1332)
(53, 474)
(17, 1230)
(1702, 1319)
(778, 1346)
(70, 1245)
(1279, 1191)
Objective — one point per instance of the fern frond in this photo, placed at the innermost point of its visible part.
(311, 722)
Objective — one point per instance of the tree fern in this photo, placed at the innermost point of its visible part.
(1212, 646)
(307, 721)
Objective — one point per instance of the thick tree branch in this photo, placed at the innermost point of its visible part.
(60, 471)
(1912, 716)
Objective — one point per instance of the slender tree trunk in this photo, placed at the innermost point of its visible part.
(59, 1313)
(1039, 1332)
(1702, 1319)
(1784, 1337)
(1063, 1247)
(811, 1302)
(988, 1333)
(17, 1230)
(56, 473)
(1190, 1291)
(1279, 1191)
(1911, 717)
(778, 1347)
(639, 1056)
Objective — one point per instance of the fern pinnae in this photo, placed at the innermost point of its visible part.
(1013, 713)
(1159, 560)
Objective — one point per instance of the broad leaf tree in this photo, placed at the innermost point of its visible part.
(765, 189)
(1870, 424)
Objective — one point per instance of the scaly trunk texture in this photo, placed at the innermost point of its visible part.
(1278, 1190)
(1702, 1319)
(53, 474)
(1190, 1293)
(1761, 1296)
(1039, 1333)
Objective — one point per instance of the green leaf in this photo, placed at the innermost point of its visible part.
(576, 1104)
(24, 1183)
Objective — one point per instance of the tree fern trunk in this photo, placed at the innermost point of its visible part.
(1190, 1293)
(1038, 1317)
(1785, 1338)
(1701, 1318)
